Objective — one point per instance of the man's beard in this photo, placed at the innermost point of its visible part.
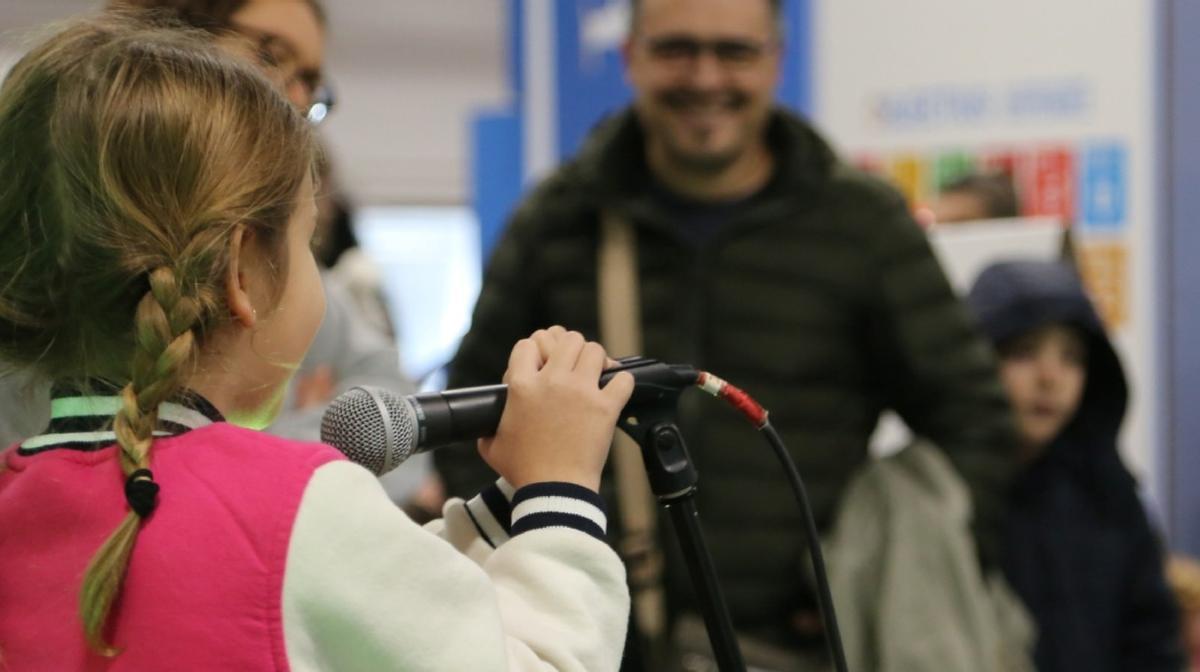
(702, 162)
(677, 153)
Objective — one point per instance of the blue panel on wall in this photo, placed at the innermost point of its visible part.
(795, 82)
(590, 74)
(496, 173)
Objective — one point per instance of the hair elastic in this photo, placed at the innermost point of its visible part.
(141, 492)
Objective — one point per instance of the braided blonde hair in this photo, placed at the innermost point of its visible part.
(132, 152)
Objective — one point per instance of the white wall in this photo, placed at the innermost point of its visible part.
(408, 73)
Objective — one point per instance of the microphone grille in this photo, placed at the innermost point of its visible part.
(373, 427)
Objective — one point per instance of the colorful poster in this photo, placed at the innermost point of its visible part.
(1058, 94)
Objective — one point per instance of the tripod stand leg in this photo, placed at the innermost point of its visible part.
(673, 480)
(708, 591)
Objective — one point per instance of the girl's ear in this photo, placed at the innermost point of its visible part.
(237, 288)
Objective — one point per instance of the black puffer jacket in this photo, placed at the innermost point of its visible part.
(821, 298)
(1079, 549)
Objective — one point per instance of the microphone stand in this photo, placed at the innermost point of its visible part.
(650, 422)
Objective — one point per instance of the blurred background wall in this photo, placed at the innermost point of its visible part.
(448, 108)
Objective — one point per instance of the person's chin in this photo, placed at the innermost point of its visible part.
(260, 415)
(706, 158)
(712, 129)
(1046, 433)
(709, 150)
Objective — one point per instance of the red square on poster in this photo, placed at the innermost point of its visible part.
(1053, 184)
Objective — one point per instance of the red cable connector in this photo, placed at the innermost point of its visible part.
(734, 396)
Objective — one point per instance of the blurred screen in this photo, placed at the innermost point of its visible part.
(428, 258)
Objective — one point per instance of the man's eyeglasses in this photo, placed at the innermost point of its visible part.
(730, 52)
(280, 56)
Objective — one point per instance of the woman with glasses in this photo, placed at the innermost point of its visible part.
(286, 38)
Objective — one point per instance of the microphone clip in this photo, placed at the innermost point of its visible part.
(649, 419)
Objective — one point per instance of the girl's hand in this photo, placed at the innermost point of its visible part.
(558, 422)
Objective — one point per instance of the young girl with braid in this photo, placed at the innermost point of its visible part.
(156, 207)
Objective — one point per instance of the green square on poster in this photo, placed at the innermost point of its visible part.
(950, 166)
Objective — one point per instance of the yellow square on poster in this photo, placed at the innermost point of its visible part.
(910, 174)
(1105, 270)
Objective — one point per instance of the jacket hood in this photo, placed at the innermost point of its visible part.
(1011, 298)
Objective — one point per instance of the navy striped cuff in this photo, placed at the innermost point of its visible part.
(554, 504)
(491, 512)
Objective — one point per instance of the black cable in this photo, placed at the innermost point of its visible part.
(758, 416)
(833, 636)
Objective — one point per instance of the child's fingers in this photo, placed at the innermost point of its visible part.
(547, 339)
(524, 360)
(566, 353)
(591, 360)
(619, 389)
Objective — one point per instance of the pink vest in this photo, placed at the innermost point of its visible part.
(204, 587)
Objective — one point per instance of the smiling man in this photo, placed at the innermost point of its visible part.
(705, 82)
(761, 258)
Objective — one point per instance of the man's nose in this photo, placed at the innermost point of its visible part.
(707, 71)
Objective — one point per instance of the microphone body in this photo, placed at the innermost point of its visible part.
(379, 429)
(452, 416)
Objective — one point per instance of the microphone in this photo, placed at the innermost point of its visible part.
(380, 429)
